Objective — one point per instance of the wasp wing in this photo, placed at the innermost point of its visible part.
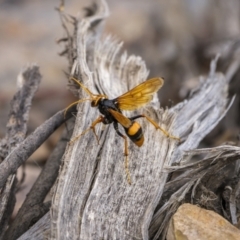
(140, 95)
(124, 121)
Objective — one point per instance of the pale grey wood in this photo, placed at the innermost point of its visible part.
(39, 231)
(193, 172)
(201, 112)
(27, 82)
(92, 197)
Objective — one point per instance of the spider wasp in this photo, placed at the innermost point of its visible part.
(111, 110)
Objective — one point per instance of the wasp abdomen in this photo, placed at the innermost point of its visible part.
(135, 133)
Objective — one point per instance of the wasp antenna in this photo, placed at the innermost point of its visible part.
(82, 86)
(74, 103)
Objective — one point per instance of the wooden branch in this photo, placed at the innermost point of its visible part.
(34, 214)
(212, 171)
(20, 154)
(39, 231)
(28, 82)
(33, 207)
(23, 151)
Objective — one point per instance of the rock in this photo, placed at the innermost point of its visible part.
(192, 222)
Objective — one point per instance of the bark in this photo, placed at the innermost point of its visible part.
(92, 198)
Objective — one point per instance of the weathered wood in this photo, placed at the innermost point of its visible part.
(27, 82)
(33, 208)
(24, 150)
(210, 171)
(93, 199)
(39, 231)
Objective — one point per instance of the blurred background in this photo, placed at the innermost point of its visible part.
(177, 39)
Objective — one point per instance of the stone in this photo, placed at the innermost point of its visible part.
(192, 222)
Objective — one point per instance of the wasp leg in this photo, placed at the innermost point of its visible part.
(115, 124)
(155, 125)
(98, 120)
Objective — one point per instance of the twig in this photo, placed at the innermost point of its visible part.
(20, 154)
(40, 230)
(28, 82)
(33, 207)
(30, 217)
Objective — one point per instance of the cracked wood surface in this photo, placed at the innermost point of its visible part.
(92, 189)
(92, 199)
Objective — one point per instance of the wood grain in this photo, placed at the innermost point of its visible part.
(92, 198)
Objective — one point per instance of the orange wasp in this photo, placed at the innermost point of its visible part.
(111, 110)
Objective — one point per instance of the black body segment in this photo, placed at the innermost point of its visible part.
(104, 106)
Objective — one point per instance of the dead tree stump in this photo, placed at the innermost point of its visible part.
(91, 197)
